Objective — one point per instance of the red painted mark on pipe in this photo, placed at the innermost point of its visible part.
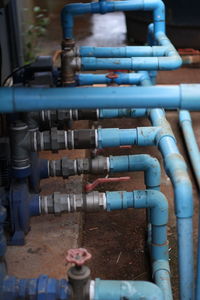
(90, 186)
(126, 146)
(112, 75)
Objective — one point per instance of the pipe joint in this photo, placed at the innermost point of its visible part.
(156, 201)
(160, 265)
(172, 62)
(58, 203)
(146, 136)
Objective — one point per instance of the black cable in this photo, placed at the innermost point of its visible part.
(15, 71)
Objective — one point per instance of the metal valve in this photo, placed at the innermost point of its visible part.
(79, 275)
(78, 256)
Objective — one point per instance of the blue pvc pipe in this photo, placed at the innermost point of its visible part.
(161, 275)
(197, 287)
(128, 51)
(177, 171)
(185, 122)
(120, 113)
(123, 78)
(185, 248)
(130, 290)
(71, 10)
(139, 63)
(113, 137)
(170, 61)
(158, 205)
(193, 151)
(30, 99)
(141, 162)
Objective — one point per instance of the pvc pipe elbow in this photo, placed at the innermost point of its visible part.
(169, 63)
(118, 289)
(153, 171)
(159, 207)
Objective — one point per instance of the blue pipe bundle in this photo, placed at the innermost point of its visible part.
(140, 97)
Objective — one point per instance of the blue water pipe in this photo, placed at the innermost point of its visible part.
(102, 7)
(120, 113)
(43, 287)
(123, 289)
(185, 122)
(176, 169)
(158, 205)
(122, 52)
(113, 137)
(184, 96)
(122, 78)
(140, 162)
(169, 61)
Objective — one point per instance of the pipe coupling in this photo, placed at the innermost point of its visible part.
(58, 203)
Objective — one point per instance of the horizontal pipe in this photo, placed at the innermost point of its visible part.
(49, 117)
(183, 96)
(132, 63)
(130, 290)
(169, 61)
(89, 138)
(71, 10)
(113, 137)
(122, 113)
(121, 78)
(128, 51)
(108, 165)
(42, 287)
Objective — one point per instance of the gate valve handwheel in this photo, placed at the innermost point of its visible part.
(78, 256)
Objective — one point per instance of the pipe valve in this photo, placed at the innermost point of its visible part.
(79, 275)
(78, 256)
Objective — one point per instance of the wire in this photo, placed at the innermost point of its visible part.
(14, 72)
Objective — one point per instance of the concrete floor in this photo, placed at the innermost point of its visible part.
(51, 236)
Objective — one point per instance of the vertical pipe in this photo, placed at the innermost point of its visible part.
(177, 171)
(185, 122)
(193, 151)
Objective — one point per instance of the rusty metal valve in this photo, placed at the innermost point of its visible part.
(78, 256)
(79, 275)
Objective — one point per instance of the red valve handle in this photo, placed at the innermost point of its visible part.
(78, 256)
(90, 186)
(188, 51)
